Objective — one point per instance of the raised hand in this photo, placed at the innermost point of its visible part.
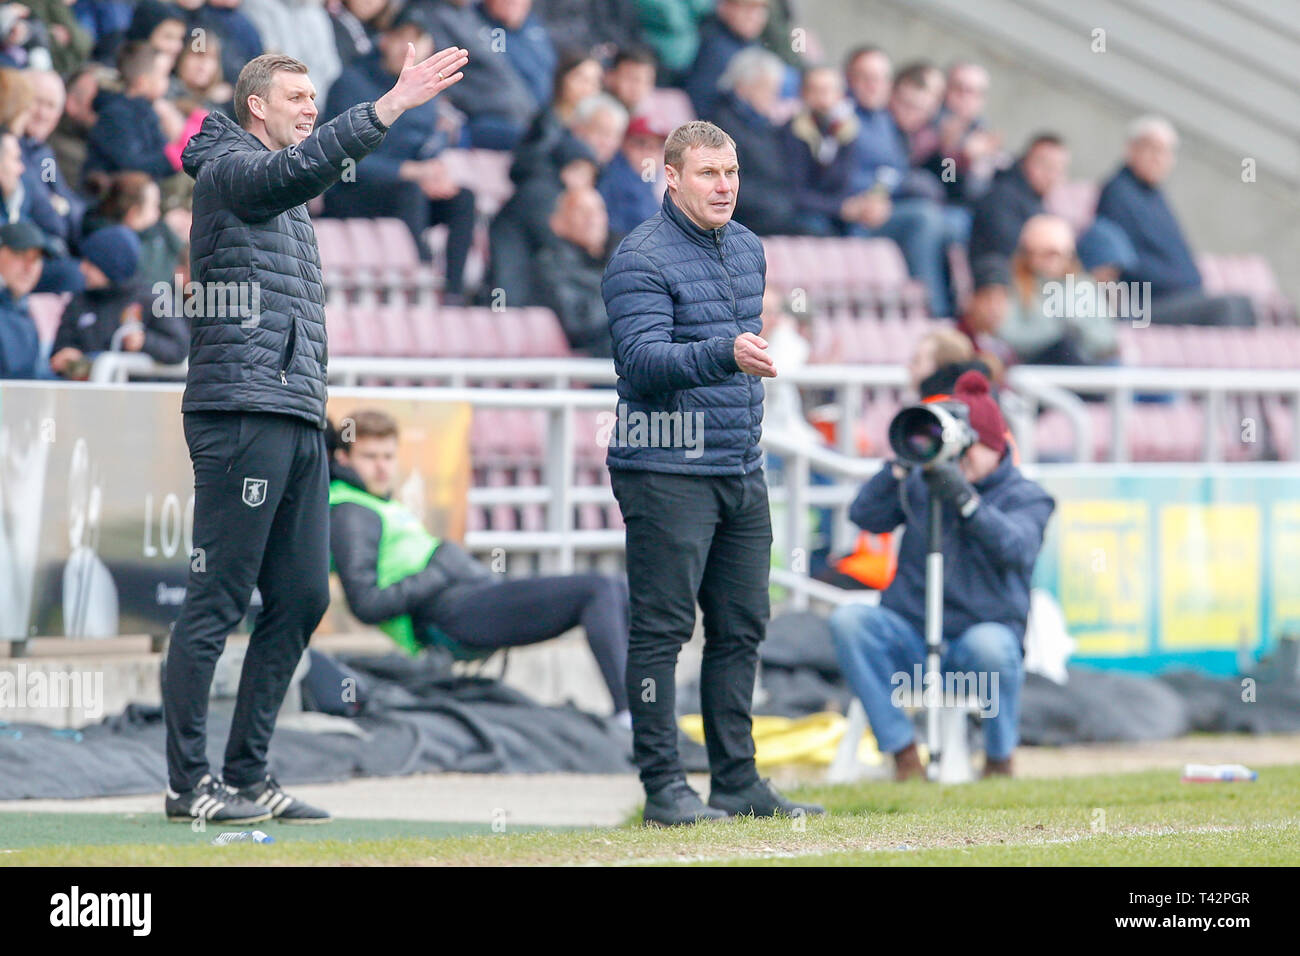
(420, 82)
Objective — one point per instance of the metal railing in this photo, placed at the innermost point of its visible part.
(1031, 389)
(793, 494)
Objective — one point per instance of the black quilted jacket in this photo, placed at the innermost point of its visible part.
(259, 345)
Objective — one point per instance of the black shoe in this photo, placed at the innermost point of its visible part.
(283, 807)
(760, 799)
(213, 801)
(677, 805)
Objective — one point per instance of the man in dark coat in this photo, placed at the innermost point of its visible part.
(254, 410)
(684, 293)
(1016, 196)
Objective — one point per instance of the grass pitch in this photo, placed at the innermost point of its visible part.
(1148, 818)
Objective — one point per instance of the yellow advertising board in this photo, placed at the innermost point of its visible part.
(1104, 578)
(1209, 575)
(1284, 564)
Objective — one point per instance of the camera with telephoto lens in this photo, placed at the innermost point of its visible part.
(931, 433)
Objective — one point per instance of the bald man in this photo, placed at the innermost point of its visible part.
(1134, 200)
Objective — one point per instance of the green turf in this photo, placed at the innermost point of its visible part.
(1146, 818)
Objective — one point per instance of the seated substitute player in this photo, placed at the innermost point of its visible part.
(993, 521)
(422, 591)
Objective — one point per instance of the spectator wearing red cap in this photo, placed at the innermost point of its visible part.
(993, 521)
(629, 183)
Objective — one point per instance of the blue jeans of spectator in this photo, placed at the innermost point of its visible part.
(874, 643)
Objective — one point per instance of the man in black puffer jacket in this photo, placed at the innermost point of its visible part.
(254, 412)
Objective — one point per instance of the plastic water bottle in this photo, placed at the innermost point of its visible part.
(1217, 773)
(244, 836)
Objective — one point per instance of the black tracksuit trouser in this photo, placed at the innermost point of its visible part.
(261, 518)
(689, 537)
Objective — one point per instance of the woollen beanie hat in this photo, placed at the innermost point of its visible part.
(986, 419)
(115, 250)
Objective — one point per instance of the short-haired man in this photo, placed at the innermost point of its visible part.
(993, 521)
(254, 411)
(1017, 194)
(684, 294)
(631, 76)
(422, 591)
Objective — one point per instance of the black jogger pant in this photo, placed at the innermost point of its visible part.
(528, 610)
(261, 518)
(689, 537)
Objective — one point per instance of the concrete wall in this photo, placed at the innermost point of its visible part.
(1219, 212)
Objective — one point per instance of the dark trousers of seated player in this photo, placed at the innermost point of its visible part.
(405, 201)
(689, 537)
(525, 611)
(261, 518)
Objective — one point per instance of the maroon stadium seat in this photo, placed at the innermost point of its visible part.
(668, 108)
(1074, 202)
(47, 310)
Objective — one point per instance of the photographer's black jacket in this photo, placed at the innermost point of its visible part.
(987, 558)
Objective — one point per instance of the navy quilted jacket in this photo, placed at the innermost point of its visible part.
(677, 296)
(259, 345)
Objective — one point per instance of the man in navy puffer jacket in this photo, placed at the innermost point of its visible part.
(684, 293)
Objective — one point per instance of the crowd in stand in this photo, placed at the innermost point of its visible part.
(99, 97)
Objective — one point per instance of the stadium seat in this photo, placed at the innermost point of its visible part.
(484, 171)
(47, 311)
(543, 336)
(668, 108)
(1074, 202)
(1252, 276)
(339, 328)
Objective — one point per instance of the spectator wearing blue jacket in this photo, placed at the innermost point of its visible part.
(128, 133)
(403, 177)
(105, 21)
(630, 198)
(684, 294)
(240, 41)
(22, 251)
(42, 175)
(22, 201)
(735, 25)
(993, 522)
(750, 89)
(1134, 201)
(525, 43)
(890, 198)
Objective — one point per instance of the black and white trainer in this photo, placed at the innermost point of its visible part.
(283, 807)
(213, 801)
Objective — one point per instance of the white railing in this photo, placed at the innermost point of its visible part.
(1032, 389)
(793, 496)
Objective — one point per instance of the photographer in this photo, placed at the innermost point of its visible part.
(993, 521)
